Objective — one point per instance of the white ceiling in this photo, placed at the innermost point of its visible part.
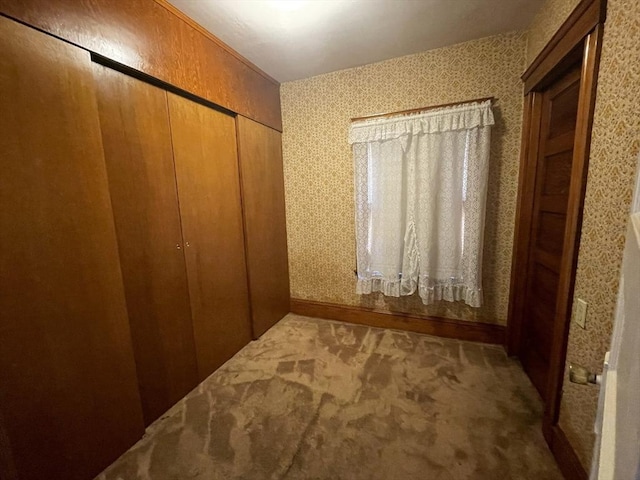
(294, 39)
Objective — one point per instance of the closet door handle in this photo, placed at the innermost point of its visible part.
(187, 244)
(178, 246)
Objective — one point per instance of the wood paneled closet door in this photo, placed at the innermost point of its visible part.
(205, 154)
(260, 154)
(136, 134)
(68, 395)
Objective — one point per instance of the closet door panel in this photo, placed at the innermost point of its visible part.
(68, 395)
(137, 144)
(260, 154)
(205, 153)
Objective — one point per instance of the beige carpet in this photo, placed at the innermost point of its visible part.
(315, 399)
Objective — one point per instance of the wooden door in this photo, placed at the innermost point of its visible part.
(205, 153)
(68, 394)
(260, 155)
(134, 119)
(551, 198)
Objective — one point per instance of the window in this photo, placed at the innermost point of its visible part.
(421, 186)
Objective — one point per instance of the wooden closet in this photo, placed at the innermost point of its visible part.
(260, 154)
(138, 150)
(69, 402)
(175, 191)
(142, 228)
(206, 159)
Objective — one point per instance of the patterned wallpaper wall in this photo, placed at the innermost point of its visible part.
(545, 24)
(614, 149)
(318, 165)
(319, 190)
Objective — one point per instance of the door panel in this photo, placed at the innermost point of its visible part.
(68, 397)
(553, 176)
(260, 155)
(205, 153)
(134, 120)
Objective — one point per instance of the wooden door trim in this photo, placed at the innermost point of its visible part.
(524, 219)
(582, 33)
(565, 455)
(581, 151)
(582, 21)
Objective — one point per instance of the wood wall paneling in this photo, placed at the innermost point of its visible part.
(440, 327)
(150, 37)
(136, 135)
(69, 397)
(205, 153)
(262, 180)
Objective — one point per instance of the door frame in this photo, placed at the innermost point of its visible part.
(580, 37)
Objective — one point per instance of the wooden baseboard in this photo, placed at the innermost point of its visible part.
(440, 327)
(565, 455)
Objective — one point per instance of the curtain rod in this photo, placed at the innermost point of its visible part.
(423, 109)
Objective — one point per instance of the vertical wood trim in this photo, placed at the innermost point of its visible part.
(585, 24)
(244, 223)
(577, 187)
(524, 209)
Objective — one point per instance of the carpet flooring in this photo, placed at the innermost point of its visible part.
(317, 399)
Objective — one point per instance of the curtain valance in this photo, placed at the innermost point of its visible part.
(463, 117)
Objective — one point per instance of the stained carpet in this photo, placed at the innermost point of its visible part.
(316, 399)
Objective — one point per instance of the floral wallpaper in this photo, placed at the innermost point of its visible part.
(615, 145)
(545, 24)
(319, 189)
(318, 164)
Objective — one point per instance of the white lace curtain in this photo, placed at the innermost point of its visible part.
(421, 187)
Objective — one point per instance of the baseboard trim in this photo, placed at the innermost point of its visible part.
(565, 455)
(440, 327)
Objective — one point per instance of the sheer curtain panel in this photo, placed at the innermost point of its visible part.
(420, 192)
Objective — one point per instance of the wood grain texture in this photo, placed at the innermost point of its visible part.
(577, 188)
(196, 26)
(148, 37)
(262, 181)
(134, 120)
(8, 470)
(440, 327)
(548, 218)
(565, 455)
(570, 35)
(69, 398)
(205, 153)
(549, 66)
(524, 212)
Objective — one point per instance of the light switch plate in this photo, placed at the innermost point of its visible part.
(580, 316)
